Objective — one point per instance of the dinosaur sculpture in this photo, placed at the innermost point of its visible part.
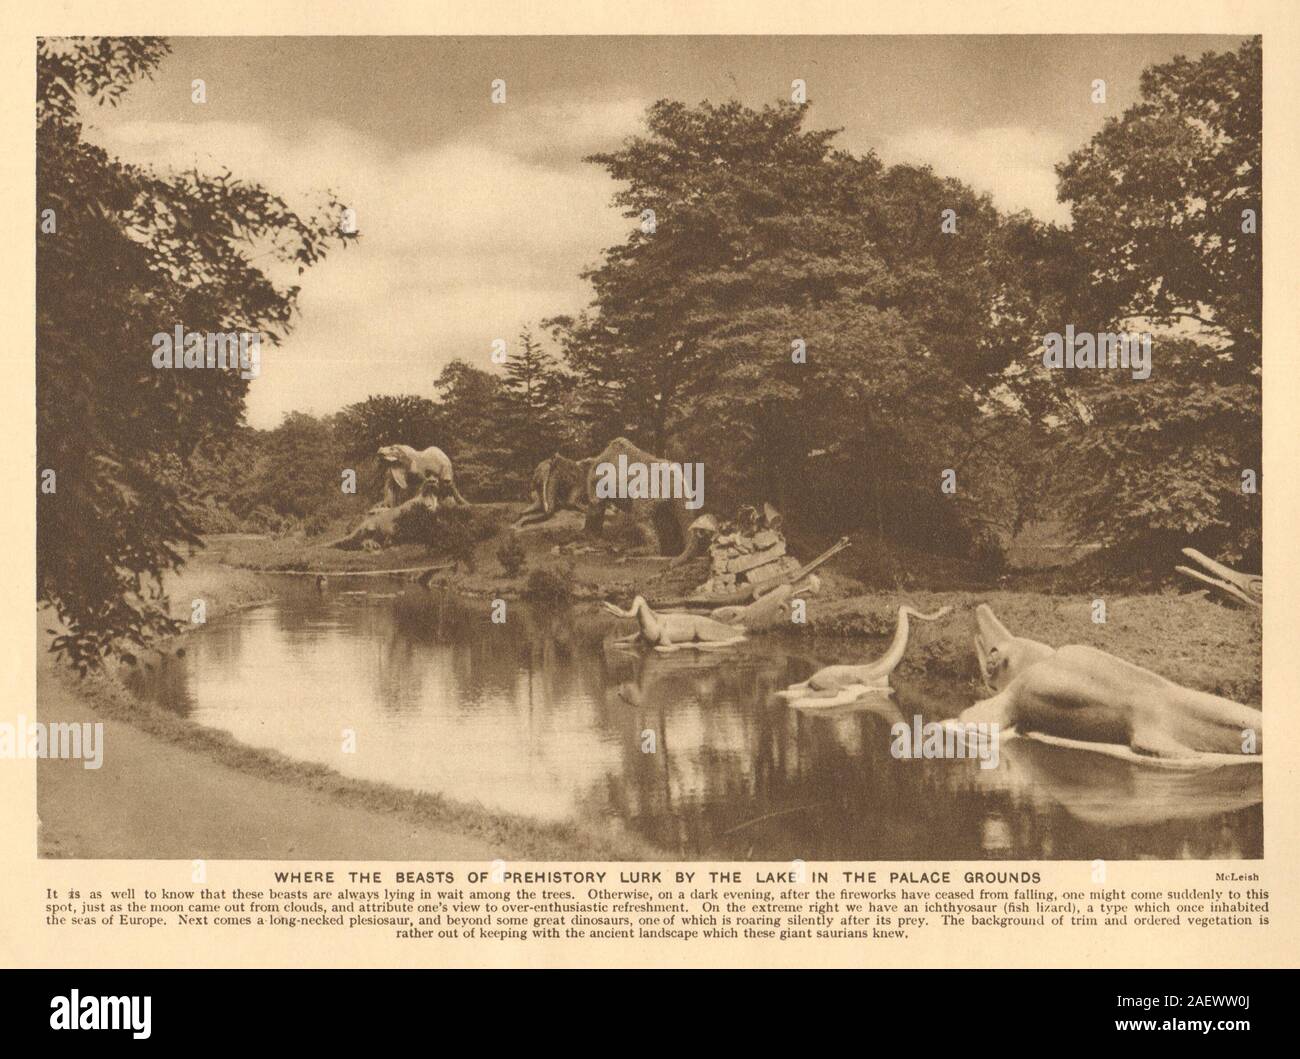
(411, 479)
(770, 609)
(671, 632)
(559, 484)
(379, 528)
(555, 488)
(408, 472)
(1248, 588)
(1085, 695)
(836, 685)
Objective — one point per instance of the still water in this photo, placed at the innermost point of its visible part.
(541, 716)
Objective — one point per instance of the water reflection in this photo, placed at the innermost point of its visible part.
(543, 716)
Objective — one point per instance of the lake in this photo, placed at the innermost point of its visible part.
(541, 716)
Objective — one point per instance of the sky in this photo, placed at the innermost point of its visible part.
(477, 218)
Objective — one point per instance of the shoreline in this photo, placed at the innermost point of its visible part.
(338, 813)
(1186, 637)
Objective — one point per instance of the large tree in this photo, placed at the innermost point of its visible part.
(728, 204)
(297, 473)
(1166, 208)
(124, 253)
(389, 419)
(469, 402)
(1159, 199)
(792, 313)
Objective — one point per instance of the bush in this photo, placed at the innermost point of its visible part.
(988, 552)
(418, 524)
(511, 556)
(549, 584)
(318, 523)
(211, 517)
(457, 530)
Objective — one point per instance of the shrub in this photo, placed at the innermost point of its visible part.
(549, 584)
(988, 552)
(418, 524)
(511, 556)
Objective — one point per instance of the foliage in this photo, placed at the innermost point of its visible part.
(1158, 464)
(797, 317)
(922, 345)
(528, 417)
(767, 244)
(457, 531)
(400, 419)
(168, 250)
(297, 470)
(511, 556)
(470, 401)
(1157, 198)
(549, 584)
(416, 525)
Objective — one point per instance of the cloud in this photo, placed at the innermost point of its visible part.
(563, 129)
(1012, 163)
(461, 242)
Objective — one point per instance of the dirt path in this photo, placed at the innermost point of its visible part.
(155, 800)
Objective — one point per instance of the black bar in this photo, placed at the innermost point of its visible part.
(339, 1008)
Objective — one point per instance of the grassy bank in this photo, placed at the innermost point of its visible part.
(622, 561)
(222, 589)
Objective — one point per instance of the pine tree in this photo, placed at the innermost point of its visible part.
(528, 419)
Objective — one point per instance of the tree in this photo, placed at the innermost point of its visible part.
(297, 472)
(1157, 465)
(132, 253)
(398, 419)
(794, 313)
(859, 434)
(469, 402)
(715, 191)
(529, 389)
(1157, 198)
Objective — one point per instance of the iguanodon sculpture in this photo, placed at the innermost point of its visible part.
(560, 484)
(836, 685)
(379, 528)
(408, 472)
(1082, 694)
(411, 479)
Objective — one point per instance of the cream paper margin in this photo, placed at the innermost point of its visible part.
(25, 941)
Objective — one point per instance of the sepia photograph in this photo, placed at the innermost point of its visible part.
(680, 448)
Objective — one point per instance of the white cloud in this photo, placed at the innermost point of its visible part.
(466, 241)
(460, 242)
(563, 126)
(1013, 164)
